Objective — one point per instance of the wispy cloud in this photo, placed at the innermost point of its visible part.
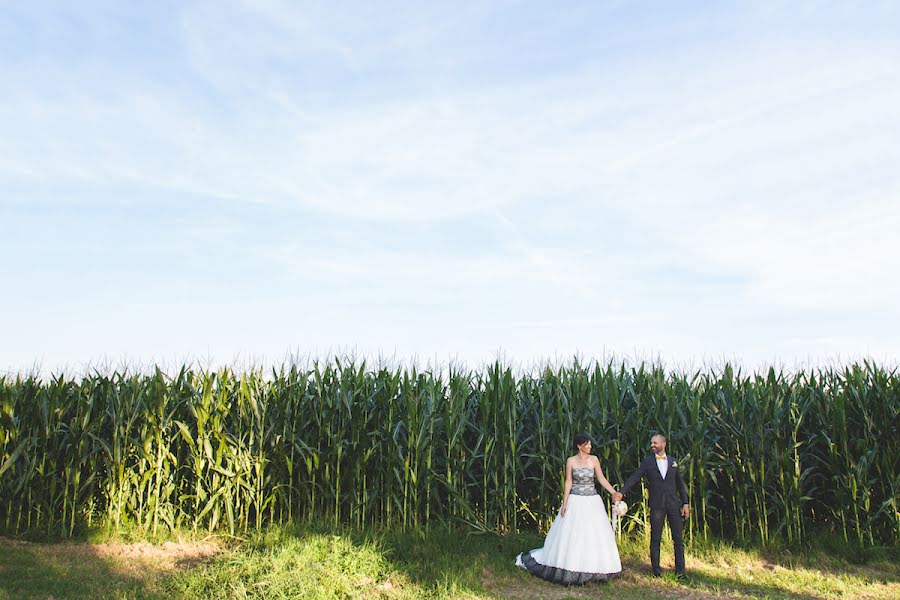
(697, 184)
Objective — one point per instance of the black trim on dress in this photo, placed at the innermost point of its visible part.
(563, 576)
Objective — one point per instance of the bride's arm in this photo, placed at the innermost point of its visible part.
(598, 472)
(567, 487)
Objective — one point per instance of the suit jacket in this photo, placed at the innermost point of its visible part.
(662, 491)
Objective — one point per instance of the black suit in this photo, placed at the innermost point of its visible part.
(663, 503)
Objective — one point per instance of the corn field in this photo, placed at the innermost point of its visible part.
(767, 456)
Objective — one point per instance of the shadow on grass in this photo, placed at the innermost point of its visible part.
(33, 570)
(447, 554)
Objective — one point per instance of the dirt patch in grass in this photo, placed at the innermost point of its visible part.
(168, 556)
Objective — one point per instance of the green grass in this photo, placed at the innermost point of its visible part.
(320, 563)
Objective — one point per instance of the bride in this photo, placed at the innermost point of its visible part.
(580, 546)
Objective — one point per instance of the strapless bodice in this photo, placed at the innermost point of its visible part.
(583, 481)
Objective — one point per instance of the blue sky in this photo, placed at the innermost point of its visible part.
(235, 181)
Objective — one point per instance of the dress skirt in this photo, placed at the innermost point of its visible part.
(580, 547)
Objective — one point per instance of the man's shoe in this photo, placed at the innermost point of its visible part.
(657, 574)
(681, 576)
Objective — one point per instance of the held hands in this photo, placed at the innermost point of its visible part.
(685, 511)
(616, 496)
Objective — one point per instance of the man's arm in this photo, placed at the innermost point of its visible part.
(635, 477)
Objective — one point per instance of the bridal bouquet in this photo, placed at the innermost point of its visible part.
(618, 510)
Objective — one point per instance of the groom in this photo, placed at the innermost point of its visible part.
(662, 475)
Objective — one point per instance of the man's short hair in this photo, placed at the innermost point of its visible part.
(659, 435)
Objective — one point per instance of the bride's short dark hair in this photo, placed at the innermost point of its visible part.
(580, 439)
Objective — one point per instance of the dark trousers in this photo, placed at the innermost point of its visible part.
(676, 526)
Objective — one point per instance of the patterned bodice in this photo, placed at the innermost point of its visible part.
(583, 481)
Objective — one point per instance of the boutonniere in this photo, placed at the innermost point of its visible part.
(674, 464)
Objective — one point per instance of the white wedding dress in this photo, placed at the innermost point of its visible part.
(581, 546)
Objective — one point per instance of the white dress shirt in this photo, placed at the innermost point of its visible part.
(662, 465)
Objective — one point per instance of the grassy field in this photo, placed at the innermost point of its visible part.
(327, 563)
